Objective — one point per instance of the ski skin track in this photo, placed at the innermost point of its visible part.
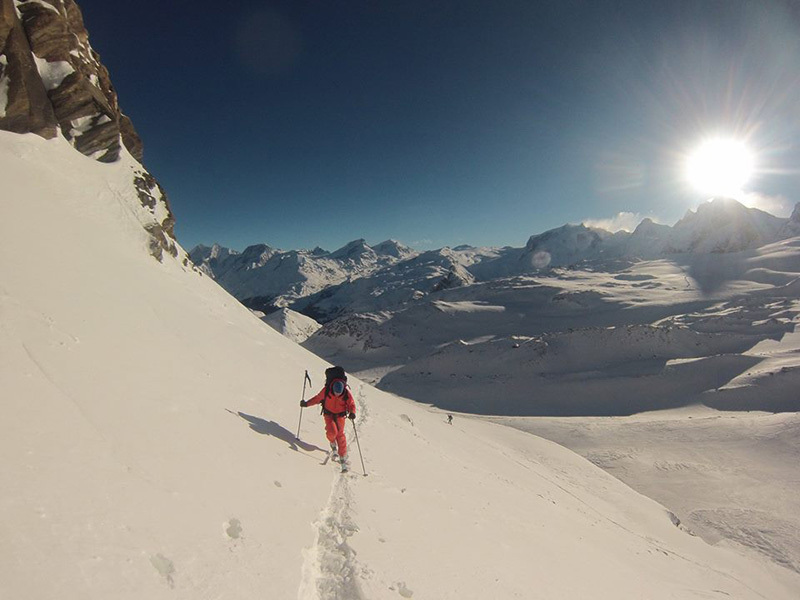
(330, 569)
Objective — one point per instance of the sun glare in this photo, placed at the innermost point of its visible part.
(720, 167)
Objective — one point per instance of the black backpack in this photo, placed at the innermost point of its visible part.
(332, 373)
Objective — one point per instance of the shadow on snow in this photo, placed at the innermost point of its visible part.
(276, 430)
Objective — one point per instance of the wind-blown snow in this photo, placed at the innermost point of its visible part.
(149, 449)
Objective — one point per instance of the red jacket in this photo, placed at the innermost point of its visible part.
(334, 404)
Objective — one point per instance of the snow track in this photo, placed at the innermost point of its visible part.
(330, 570)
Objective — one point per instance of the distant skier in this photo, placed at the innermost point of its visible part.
(449, 419)
(337, 404)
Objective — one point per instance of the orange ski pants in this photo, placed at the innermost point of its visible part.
(334, 431)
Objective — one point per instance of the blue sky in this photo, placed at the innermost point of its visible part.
(305, 123)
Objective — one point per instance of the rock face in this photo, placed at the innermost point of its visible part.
(52, 81)
(24, 105)
(52, 77)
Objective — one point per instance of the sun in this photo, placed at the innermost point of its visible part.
(720, 167)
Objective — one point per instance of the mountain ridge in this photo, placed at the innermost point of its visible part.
(358, 277)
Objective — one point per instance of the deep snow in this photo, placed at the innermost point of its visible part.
(149, 451)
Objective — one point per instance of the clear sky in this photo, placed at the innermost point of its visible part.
(300, 123)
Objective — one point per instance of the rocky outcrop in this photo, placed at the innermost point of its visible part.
(24, 105)
(52, 80)
(50, 76)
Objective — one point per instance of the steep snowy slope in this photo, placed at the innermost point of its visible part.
(148, 447)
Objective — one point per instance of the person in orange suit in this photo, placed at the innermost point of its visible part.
(337, 405)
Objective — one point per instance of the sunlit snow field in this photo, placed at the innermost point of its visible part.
(730, 477)
(664, 373)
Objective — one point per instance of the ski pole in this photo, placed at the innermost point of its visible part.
(302, 398)
(363, 468)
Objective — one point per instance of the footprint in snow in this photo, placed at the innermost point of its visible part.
(403, 590)
(233, 529)
(165, 568)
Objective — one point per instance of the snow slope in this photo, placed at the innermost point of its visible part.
(291, 324)
(149, 451)
(731, 477)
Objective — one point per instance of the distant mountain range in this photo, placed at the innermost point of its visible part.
(265, 278)
(360, 278)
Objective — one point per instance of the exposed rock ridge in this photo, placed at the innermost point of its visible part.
(48, 38)
(52, 80)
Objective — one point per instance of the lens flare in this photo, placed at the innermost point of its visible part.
(720, 167)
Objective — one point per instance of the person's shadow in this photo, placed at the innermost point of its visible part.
(272, 428)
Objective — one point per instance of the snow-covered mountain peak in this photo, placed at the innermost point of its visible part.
(648, 226)
(723, 225)
(795, 218)
(393, 248)
(792, 226)
(355, 250)
(564, 245)
(265, 278)
(716, 208)
(257, 255)
(391, 274)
